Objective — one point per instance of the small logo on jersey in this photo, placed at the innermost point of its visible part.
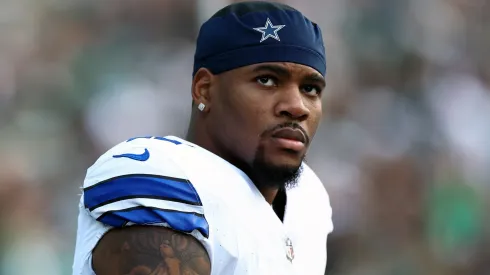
(269, 30)
(139, 157)
(289, 250)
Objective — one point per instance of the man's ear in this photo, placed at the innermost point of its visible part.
(201, 88)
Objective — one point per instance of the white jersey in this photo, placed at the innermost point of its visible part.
(173, 183)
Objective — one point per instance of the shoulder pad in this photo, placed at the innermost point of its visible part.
(137, 182)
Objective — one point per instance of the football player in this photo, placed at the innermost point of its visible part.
(235, 196)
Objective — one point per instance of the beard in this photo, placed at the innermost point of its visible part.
(263, 173)
(267, 175)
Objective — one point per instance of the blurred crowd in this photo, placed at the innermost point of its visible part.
(403, 149)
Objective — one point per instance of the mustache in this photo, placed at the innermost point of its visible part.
(292, 125)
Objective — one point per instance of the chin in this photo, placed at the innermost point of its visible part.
(286, 159)
(278, 173)
(276, 168)
(289, 164)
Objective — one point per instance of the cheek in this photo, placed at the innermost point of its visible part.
(240, 120)
(246, 108)
(315, 117)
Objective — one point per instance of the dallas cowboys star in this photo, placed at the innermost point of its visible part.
(269, 30)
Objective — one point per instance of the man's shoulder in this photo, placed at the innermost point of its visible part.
(137, 156)
(157, 170)
(309, 204)
(314, 189)
(310, 180)
(140, 182)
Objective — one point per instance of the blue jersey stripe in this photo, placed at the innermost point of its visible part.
(144, 186)
(176, 142)
(181, 221)
(112, 220)
(145, 137)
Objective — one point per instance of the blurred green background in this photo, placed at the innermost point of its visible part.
(404, 147)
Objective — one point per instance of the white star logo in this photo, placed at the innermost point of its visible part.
(269, 30)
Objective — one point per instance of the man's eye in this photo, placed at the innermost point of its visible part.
(266, 81)
(312, 90)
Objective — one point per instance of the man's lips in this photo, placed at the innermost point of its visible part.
(290, 133)
(290, 138)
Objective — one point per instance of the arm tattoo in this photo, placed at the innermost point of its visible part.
(147, 250)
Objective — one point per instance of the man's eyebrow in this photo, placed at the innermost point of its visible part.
(279, 70)
(315, 78)
(282, 71)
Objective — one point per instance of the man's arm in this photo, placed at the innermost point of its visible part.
(149, 250)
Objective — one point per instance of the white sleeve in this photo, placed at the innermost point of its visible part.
(137, 182)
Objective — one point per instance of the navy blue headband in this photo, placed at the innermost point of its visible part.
(234, 40)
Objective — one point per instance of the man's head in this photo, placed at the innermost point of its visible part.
(259, 71)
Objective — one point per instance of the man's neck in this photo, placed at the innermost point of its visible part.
(199, 139)
(269, 194)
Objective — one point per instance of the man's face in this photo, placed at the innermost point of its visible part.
(264, 116)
